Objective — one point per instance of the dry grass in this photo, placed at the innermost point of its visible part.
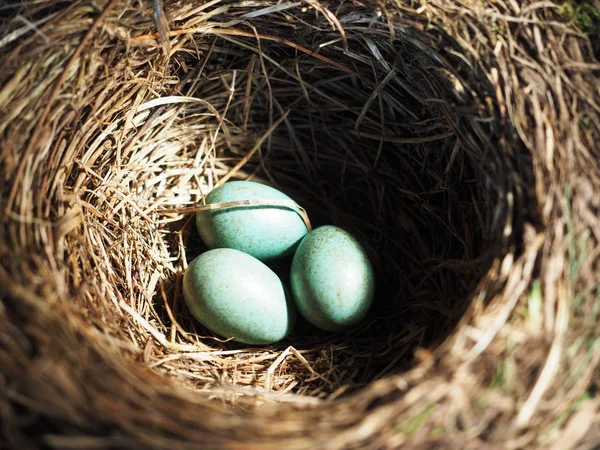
(457, 140)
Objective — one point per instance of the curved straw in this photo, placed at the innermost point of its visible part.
(290, 204)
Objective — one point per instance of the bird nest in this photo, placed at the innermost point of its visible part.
(456, 140)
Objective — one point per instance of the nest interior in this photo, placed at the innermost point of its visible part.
(438, 134)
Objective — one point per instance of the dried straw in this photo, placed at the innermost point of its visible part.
(457, 140)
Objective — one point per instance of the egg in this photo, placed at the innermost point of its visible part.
(332, 279)
(264, 231)
(236, 296)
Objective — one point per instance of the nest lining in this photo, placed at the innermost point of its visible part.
(384, 163)
(370, 121)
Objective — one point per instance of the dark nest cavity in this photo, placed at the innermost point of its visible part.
(364, 132)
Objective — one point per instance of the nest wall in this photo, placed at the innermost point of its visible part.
(458, 141)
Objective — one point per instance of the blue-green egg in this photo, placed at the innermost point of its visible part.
(236, 296)
(263, 231)
(332, 279)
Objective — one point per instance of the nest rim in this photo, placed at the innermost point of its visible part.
(510, 243)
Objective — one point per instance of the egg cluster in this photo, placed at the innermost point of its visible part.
(233, 293)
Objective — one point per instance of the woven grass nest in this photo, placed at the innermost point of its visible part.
(457, 140)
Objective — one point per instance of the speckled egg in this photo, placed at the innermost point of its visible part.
(332, 279)
(236, 296)
(265, 232)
